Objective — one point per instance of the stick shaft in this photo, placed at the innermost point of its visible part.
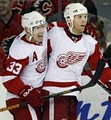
(89, 73)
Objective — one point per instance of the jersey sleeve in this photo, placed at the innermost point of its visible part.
(93, 59)
(106, 75)
(11, 74)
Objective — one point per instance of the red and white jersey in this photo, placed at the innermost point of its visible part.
(25, 65)
(67, 59)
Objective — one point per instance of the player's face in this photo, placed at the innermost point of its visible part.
(5, 7)
(79, 23)
(38, 33)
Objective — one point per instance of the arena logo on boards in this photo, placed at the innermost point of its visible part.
(84, 110)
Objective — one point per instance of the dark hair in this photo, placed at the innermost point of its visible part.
(98, 23)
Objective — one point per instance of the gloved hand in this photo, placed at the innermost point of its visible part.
(32, 96)
(6, 44)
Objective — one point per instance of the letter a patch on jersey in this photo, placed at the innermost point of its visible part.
(34, 57)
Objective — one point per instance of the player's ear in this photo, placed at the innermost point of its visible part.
(69, 22)
(28, 31)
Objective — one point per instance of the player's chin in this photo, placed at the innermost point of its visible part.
(81, 30)
(40, 39)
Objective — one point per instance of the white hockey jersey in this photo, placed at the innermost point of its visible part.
(25, 65)
(67, 60)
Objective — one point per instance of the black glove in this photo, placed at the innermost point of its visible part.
(107, 55)
(32, 96)
(6, 44)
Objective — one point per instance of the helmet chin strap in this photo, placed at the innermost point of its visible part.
(70, 27)
(30, 36)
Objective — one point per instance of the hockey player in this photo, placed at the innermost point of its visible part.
(26, 67)
(69, 50)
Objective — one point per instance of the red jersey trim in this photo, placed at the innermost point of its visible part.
(35, 43)
(14, 86)
(60, 84)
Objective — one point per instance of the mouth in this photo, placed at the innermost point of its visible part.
(40, 36)
(83, 26)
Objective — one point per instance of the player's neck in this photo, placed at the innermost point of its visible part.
(5, 18)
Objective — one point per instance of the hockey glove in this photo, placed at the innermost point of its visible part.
(32, 96)
(6, 44)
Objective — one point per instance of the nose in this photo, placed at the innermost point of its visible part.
(42, 29)
(84, 19)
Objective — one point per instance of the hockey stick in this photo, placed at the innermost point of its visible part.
(93, 81)
(88, 72)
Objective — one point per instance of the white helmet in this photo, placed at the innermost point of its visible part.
(32, 19)
(74, 9)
